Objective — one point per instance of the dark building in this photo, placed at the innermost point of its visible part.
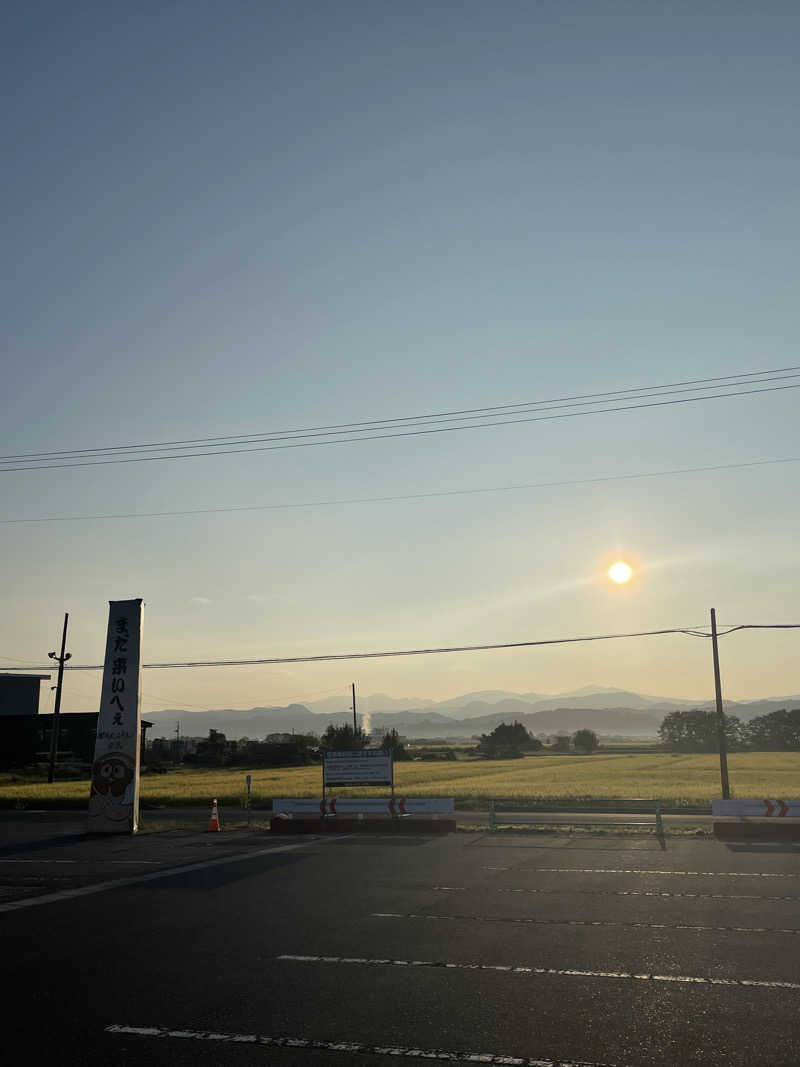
(19, 693)
(26, 739)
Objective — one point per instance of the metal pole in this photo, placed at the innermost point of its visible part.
(355, 728)
(723, 746)
(51, 774)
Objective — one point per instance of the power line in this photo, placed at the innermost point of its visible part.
(600, 479)
(562, 403)
(613, 393)
(337, 657)
(281, 443)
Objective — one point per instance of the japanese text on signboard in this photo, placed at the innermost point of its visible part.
(368, 766)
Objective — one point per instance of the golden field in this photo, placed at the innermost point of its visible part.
(673, 778)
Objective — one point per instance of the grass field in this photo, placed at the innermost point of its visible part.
(675, 779)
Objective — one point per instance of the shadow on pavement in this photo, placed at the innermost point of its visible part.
(225, 874)
(765, 847)
(59, 841)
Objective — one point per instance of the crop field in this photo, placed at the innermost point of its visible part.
(679, 779)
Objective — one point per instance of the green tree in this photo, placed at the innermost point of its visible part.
(391, 743)
(696, 731)
(778, 731)
(507, 741)
(344, 737)
(586, 741)
(561, 743)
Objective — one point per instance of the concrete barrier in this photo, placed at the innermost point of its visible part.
(369, 824)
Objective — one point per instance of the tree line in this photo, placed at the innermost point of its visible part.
(696, 731)
(680, 731)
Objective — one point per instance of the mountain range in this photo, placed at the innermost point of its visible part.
(605, 710)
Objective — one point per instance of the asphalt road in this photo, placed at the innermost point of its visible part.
(235, 948)
(198, 817)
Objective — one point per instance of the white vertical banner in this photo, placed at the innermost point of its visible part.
(114, 797)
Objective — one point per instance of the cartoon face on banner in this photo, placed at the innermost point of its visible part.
(112, 787)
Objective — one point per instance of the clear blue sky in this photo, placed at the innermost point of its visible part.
(228, 219)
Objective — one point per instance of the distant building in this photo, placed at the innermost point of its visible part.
(26, 739)
(19, 693)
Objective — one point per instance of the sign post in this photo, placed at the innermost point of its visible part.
(114, 797)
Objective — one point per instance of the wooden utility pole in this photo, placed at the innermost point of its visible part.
(62, 659)
(723, 745)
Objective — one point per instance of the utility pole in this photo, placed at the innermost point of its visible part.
(723, 746)
(355, 727)
(62, 659)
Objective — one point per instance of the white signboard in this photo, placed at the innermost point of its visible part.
(754, 808)
(360, 766)
(366, 806)
(114, 797)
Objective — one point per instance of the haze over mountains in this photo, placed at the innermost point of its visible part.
(605, 710)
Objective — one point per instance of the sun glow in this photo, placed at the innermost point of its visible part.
(620, 572)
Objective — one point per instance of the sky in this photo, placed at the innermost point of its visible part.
(229, 220)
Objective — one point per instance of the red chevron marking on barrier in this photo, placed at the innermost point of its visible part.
(784, 808)
(769, 806)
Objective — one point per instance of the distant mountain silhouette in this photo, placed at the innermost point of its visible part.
(607, 711)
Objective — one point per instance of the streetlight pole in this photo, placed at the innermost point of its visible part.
(723, 746)
(355, 726)
(62, 659)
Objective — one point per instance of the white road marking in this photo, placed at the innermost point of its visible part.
(645, 893)
(588, 922)
(642, 870)
(37, 861)
(169, 872)
(348, 1047)
(655, 893)
(99, 860)
(559, 972)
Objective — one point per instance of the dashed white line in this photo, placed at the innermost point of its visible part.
(348, 1047)
(587, 922)
(655, 893)
(646, 893)
(36, 861)
(556, 971)
(99, 860)
(643, 870)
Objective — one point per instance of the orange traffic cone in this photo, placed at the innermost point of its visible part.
(214, 826)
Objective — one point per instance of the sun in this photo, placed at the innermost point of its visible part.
(620, 572)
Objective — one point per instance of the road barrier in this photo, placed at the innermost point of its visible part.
(644, 807)
(332, 805)
(752, 807)
(363, 814)
(757, 817)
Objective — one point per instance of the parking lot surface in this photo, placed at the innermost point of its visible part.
(239, 949)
